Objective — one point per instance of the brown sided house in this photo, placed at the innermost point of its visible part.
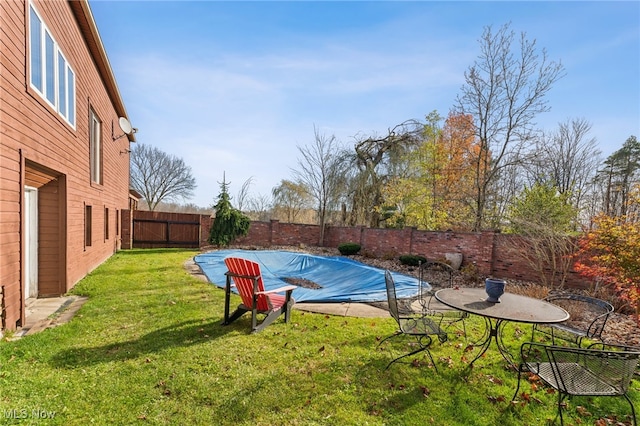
(64, 160)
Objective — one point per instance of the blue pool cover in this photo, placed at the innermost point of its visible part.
(340, 279)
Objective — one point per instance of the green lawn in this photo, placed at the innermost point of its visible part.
(148, 348)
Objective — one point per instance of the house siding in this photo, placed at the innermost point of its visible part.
(38, 148)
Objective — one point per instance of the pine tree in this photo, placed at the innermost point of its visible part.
(229, 223)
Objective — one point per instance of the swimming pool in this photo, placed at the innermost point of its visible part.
(320, 278)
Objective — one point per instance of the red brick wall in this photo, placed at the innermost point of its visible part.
(489, 251)
(508, 263)
(336, 235)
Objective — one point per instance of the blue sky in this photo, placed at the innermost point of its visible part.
(236, 87)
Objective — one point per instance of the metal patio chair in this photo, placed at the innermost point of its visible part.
(588, 317)
(619, 347)
(421, 327)
(579, 371)
(246, 277)
(436, 275)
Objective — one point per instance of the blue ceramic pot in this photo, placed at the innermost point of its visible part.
(494, 288)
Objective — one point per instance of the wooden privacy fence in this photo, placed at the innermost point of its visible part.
(159, 229)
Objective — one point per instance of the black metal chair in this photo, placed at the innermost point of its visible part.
(617, 346)
(579, 371)
(421, 327)
(433, 276)
(588, 317)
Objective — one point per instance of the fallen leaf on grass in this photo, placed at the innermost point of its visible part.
(425, 391)
(494, 380)
(416, 363)
(533, 377)
(446, 360)
(583, 411)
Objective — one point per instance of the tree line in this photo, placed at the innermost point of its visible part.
(484, 166)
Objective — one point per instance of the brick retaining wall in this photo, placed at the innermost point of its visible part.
(489, 251)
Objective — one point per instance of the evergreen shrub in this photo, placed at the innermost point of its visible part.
(348, 249)
(412, 259)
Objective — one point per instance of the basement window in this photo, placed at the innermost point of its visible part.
(87, 226)
(106, 223)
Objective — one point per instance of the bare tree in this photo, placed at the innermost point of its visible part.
(568, 158)
(243, 194)
(543, 219)
(321, 172)
(259, 207)
(159, 176)
(378, 159)
(290, 198)
(548, 254)
(507, 184)
(504, 90)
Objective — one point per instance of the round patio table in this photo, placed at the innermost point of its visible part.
(511, 308)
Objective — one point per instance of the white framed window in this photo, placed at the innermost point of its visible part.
(50, 73)
(95, 147)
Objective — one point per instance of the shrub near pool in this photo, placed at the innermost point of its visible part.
(349, 249)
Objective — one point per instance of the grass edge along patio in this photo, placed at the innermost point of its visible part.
(148, 348)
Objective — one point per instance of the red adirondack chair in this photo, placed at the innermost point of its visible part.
(246, 277)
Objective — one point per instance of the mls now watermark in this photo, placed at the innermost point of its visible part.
(36, 413)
